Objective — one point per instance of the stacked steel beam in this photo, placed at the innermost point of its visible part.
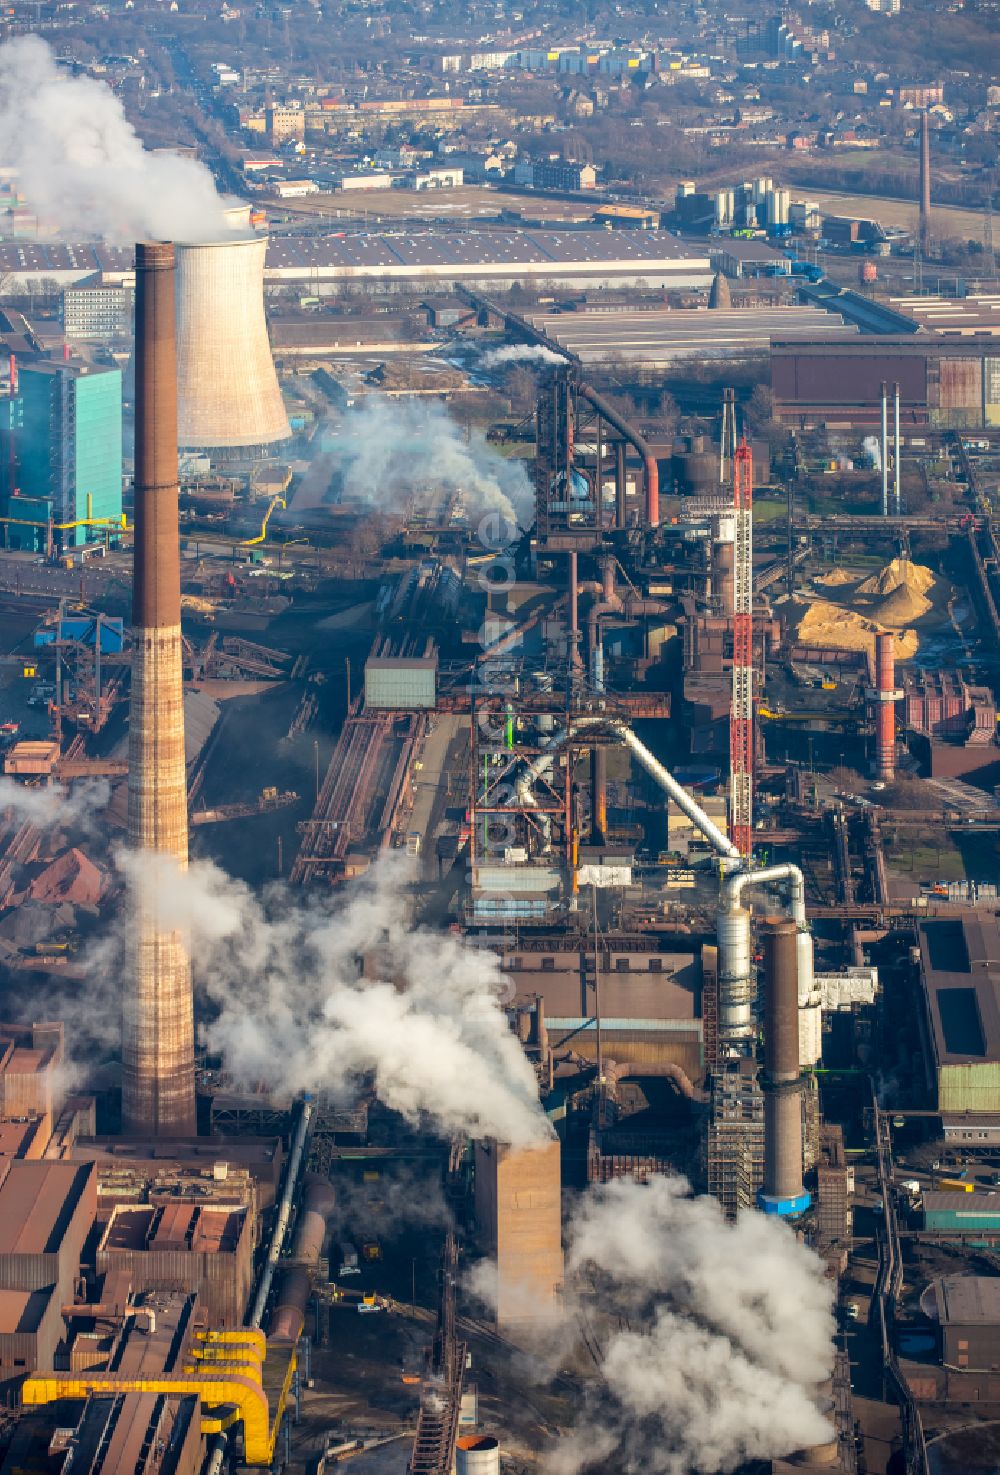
(158, 1093)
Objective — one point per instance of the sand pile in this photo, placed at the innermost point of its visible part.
(836, 576)
(827, 625)
(900, 572)
(903, 606)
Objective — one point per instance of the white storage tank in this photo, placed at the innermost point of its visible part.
(477, 1454)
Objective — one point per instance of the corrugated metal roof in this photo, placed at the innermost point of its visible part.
(968, 1298)
(36, 1201)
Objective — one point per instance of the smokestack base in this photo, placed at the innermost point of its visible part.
(787, 1208)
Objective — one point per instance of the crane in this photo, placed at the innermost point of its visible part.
(278, 501)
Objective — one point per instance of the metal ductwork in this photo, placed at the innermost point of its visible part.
(651, 473)
(735, 956)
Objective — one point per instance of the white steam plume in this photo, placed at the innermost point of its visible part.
(714, 1336)
(426, 1023)
(391, 449)
(81, 164)
(55, 807)
(521, 353)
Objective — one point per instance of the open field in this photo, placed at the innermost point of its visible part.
(946, 220)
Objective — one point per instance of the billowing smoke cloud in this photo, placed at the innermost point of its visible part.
(55, 807)
(521, 353)
(426, 1023)
(401, 1198)
(711, 1337)
(390, 450)
(82, 166)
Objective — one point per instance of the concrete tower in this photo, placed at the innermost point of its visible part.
(782, 1192)
(228, 394)
(925, 182)
(720, 295)
(158, 1028)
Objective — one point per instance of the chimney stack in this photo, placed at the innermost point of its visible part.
(884, 697)
(884, 449)
(925, 182)
(158, 1095)
(782, 1192)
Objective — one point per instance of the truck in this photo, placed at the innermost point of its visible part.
(955, 1185)
(348, 1260)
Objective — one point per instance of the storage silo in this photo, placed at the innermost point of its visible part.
(477, 1454)
(228, 398)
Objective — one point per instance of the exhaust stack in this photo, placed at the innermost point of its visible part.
(925, 182)
(158, 1095)
(783, 1192)
(884, 697)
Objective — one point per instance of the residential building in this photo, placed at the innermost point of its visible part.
(555, 174)
(282, 123)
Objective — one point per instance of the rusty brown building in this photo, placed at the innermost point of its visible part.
(518, 1214)
(46, 1212)
(943, 383)
(30, 1060)
(185, 1246)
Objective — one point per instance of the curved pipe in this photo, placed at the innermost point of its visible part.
(736, 885)
(685, 803)
(651, 474)
(733, 932)
(682, 1081)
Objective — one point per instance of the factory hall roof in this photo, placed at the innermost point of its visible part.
(472, 249)
(183, 1227)
(38, 256)
(659, 335)
(960, 965)
(22, 1311)
(468, 253)
(37, 1200)
(963, 317)
(968, 1298)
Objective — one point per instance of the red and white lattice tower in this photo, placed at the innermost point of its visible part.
(741, 710)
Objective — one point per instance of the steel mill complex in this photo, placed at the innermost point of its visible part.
(500, 810)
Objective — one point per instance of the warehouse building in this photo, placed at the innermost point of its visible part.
(968, 1309)
(484, 258)
(661, 336)
(650, 1004)
(31, 1058)
(951, 383)
(960, 973)
(437, 260)
(185, 1246)
(46, 1212)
